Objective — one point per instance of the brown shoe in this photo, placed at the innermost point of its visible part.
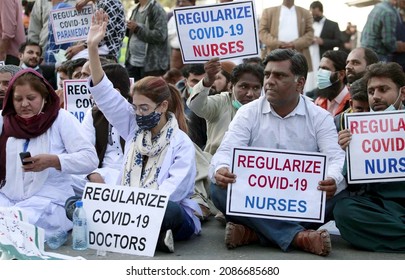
(205, 213)
(315, 242)
(237, 235)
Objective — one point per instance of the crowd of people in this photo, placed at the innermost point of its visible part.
(175, 128)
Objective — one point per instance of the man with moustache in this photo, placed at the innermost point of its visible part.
(374, 220)
(357, 62)
(333, 94)
(282, 119)
(30, 56)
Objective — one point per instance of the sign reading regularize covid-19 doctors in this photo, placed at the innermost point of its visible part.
(124, 220)
(376, 152)
(227, 30)
(77, 98)
(71, 25)
(277, 184)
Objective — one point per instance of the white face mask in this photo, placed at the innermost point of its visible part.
(323, 76)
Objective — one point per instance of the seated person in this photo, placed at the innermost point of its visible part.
(32, 121)
(358, 103)
(109, 145)
(375, 219)
(219, 109)
(158, 153)
(282, 119)
(6, 74)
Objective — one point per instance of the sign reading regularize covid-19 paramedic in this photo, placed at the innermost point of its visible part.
(227, 30)
(71, 25)
(123, 219)
(77, 98)
(376, 152)
(277, 184)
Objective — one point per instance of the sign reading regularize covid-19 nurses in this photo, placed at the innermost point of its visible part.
(277, 184)
(77, 97)
(71, 25)
(376, 152)
(227, 30)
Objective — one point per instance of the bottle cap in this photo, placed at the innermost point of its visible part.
(79, 203)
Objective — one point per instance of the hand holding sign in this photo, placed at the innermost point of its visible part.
(223, 177)
(212, 68)
(329, 186)
(344, 138)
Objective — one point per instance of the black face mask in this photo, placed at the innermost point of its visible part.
(318, 18)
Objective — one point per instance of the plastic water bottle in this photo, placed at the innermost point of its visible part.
(57, 239)
(79, 234)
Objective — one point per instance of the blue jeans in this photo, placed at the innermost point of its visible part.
(178, 221)
(278, 232)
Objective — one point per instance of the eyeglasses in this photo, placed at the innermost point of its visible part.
(142, 109)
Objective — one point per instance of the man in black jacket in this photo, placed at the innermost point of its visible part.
(327, 36)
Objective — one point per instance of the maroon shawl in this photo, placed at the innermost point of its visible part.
(14, 127)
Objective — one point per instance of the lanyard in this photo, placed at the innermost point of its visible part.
(25, 147)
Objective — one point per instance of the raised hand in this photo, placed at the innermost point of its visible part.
(98, 28)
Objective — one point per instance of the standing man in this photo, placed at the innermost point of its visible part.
(12, 33)
(287, 27)
(379, 33)
(148, 48)
(282, 119)
(333, 94)
(326, 37)
(357, 62)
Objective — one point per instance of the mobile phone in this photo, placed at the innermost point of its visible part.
(24, 155)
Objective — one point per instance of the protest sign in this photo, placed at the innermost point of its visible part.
(227, 30)
(277, 184)
(21, 240)
(123, 219)
(376, 152)
(71, 25)
(77, 97)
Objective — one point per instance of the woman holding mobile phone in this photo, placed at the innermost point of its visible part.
(51, 148)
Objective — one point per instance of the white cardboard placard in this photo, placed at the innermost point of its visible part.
(277, 184)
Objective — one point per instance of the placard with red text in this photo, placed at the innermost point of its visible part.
(376, 152)
(227, 30)
(277, 184)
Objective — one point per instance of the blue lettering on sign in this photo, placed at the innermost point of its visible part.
(206, 33)
(270, 203)
(72, 33)
(78, 115)
(385, 165)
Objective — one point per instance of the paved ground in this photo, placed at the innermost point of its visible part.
(210, 246)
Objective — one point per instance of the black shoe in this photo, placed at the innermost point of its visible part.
(165, 242)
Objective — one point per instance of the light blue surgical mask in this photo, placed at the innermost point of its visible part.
(236, 104)
(323, 77)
